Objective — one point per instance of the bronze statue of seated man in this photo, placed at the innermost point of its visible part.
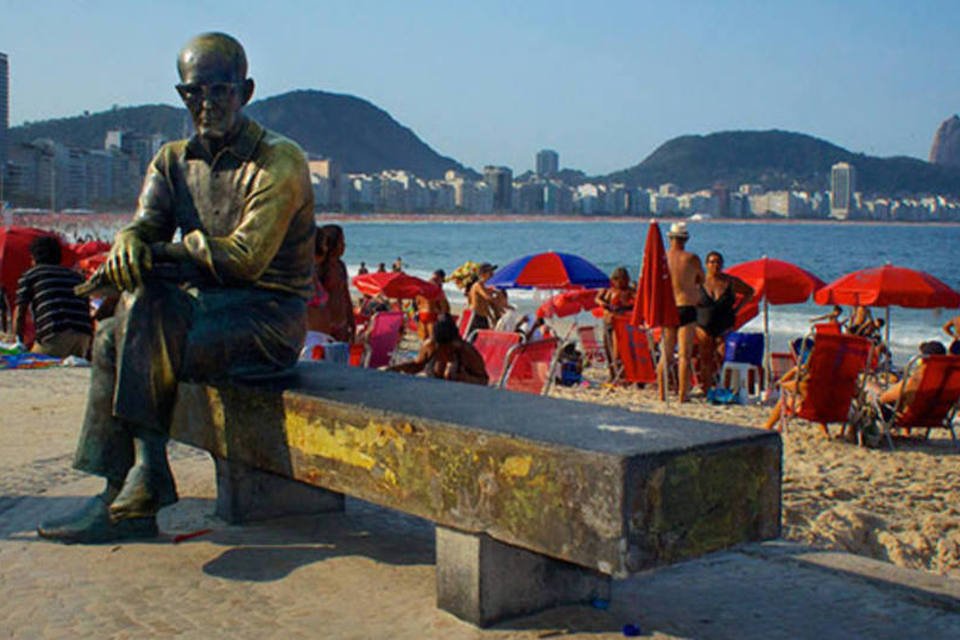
(241, 198)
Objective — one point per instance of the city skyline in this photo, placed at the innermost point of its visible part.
(603, 86)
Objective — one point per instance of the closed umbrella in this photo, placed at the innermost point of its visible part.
(655, 305)
(395, 284)
(888, 286)
(774, 282)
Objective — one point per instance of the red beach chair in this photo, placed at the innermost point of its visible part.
(495, 346)
(463, 322)
(833, 379)
(592, 349)
(634, 353)
(382, 338)
(934, 404)
(530, 366)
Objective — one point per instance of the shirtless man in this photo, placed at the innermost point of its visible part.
(488, 304)
(686, 273)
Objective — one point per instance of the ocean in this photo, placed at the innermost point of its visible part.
(828, 250)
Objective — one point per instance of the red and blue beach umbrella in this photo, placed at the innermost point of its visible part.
(550, 270)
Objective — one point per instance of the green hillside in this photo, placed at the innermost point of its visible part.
(359, 135)
(780, 160)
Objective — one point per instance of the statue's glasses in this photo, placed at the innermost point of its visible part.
(218, 92)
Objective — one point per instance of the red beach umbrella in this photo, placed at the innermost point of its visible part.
(888, 286)
(777, 281)
(568, 303)
(86, 249)
(395, 284)
(655, 305)
(773, 282)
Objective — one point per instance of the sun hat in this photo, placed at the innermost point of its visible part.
(678, 230)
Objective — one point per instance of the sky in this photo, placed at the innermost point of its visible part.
(604, 83)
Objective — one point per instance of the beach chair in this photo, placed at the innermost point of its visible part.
(591, 347)
(530, 366)
(494, 347)
(829, 328)
(833, 377)
(634, 353)
(934, 404)
(780, 363)
(463, 322)
(382, 337)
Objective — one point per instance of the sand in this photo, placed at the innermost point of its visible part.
(901, 506)
(368, 572)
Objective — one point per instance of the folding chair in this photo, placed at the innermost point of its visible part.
(382, 337)
(934, 403)
(494, 347)
(832, 376)
(591, 347)
(530, 367)
(780, 363)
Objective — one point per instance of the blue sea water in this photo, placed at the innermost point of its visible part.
(828, 250)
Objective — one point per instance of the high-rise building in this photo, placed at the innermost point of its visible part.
(843, 185)
(548, 163)
(500, 180)
(4, 119)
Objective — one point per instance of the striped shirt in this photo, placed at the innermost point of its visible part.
(48, 289)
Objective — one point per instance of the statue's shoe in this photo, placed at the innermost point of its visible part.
(144, 493)
(92, 524)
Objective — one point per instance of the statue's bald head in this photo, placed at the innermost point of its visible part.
(212, 55)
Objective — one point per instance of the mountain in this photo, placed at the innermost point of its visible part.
(781, 160)
(945, 149)
(356, 133)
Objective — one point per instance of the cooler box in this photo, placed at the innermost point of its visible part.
(744, 347)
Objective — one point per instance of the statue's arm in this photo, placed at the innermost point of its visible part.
(130, 257)
(280, 191)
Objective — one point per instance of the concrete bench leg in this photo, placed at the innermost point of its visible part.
(245, 494)
(481, 580)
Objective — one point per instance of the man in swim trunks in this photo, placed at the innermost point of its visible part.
(686, 274)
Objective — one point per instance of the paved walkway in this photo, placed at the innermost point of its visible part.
(368, 573)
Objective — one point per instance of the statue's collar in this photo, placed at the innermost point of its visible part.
(242, 145)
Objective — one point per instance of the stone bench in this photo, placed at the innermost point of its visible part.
(537, 501)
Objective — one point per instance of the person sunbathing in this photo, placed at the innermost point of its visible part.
(791, 382)
(446, 356)
(901, 393)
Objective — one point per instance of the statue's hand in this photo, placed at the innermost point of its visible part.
(127, 261)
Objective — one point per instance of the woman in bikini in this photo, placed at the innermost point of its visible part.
(716, 315)
(615, 300)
